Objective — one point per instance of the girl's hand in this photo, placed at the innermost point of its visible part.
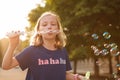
(13, 38)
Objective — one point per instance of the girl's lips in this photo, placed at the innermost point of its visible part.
(49, 32)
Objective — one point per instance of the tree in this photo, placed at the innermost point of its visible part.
(80, 53)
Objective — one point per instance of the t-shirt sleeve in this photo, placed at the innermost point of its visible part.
(68, 65)
(23, 58)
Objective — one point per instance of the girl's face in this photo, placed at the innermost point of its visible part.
(49, 23)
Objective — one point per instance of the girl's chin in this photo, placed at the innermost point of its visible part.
(49, 38)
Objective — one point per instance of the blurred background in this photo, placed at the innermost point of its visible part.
(92, 28)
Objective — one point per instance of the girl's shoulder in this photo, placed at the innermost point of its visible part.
(30, 48)
(63, 49)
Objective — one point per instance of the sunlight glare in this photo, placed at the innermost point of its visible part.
(14, 14)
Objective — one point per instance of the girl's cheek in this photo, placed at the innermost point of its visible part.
(42, 28)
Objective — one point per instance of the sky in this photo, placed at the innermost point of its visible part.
(13, 14)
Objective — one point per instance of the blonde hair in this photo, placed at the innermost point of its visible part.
(36, 39)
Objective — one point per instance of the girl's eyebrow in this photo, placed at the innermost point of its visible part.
(43, 22)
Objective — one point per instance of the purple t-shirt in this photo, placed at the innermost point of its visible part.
(44, 64)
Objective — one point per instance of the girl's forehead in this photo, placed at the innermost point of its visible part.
(48, 18)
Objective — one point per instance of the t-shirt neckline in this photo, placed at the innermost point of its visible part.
(48, 50)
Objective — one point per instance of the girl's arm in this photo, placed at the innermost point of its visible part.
(8, 60)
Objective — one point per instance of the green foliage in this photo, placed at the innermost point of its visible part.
(80, 53)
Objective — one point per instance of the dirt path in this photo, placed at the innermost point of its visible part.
(13, 74)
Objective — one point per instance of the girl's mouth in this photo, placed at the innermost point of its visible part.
(49, 32)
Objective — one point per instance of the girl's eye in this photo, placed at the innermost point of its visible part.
(44, 24)
(53, 24)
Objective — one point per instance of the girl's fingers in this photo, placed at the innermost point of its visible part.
(13, 34)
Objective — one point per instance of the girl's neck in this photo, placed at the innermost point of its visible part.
(49, 44)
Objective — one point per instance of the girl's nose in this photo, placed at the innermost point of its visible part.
(49, 27)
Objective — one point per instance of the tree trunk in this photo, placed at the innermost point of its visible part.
(118, 62)
(96, 68)
(110, 65)
(75, 66)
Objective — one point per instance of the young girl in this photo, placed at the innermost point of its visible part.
(46, 58)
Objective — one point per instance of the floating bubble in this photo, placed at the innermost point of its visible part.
(104, 52)
(113, 51)
(118, 65)
(115, 75)
(113, 45)
(86, 34)
(95, 36)
(117, 53)
(93, 47)
(107, 45)
(65, 29)
(117, 27)
(97, 52)
(106, 35)
(110, 24)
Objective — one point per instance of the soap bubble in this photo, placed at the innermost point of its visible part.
(97, 52)
(65, 29)
(115, 75)
(113, 45)
(104, 52)
(113, 51)
(93, 47)
(107, 45)
(117, 53)
(95, 36)
(110, 24)
(117, 27)
(106, 35)
(118, 65)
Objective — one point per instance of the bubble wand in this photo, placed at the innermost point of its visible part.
(87, 76)
(15, 33)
